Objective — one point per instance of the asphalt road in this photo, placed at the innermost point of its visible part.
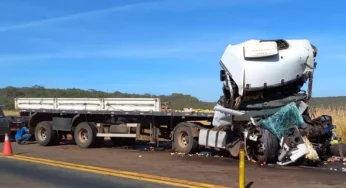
(201, 169)
(16, 173)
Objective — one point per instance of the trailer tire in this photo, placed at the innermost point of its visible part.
(183, 140)
(45, 135)
(85, 135)
(270, 144)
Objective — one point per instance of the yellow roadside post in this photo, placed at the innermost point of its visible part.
(242, 167)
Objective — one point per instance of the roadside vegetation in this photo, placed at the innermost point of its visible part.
(334, 106)
(177, 100)
(338, 114)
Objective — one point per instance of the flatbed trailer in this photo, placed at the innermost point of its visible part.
(123, 120)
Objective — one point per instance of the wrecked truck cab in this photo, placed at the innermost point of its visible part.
(266, 69)
(263, 106)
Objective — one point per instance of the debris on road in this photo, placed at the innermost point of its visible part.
(336, 159)
(312, 155)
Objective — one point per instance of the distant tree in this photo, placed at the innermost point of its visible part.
(177, 100)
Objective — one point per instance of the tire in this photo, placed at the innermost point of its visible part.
(99, 140)
(85, 135)
(45, 135)
(183, 140)
(271, 147)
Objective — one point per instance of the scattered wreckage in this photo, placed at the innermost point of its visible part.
(263, 106)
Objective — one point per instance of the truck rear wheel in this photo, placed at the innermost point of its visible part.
(183, 140)
(45, 135)
(85, 135)
(267, 148)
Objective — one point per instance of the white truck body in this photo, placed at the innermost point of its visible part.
(256, 64)
(89, 104)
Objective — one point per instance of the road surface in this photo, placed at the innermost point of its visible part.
(15, 173)
(202, 169)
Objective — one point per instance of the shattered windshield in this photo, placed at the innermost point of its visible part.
(282, 122)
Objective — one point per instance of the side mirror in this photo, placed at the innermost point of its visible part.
(222, 75)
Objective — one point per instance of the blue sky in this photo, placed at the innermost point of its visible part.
(158, 47)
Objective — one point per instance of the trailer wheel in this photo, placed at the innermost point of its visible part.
(267, 148)
(183, 140)
(85, 135)
(45, 135)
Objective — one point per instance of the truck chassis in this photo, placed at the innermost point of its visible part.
(89, 128)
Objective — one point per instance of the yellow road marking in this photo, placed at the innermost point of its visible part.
(118, 173)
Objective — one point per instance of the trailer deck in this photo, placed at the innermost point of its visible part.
(136, 113)
(124, 120)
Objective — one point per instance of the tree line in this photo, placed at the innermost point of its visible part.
(177, 100)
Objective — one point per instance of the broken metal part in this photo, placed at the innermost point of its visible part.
(234, 147)
(290, 155)
(268, 103)
(227, 111)
(311, 78)
(246, 133)
(316, 127)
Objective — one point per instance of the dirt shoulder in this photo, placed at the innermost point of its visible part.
(221, 171)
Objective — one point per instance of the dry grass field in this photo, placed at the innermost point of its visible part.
(338, 115)
(11, 113)
(339, 118)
